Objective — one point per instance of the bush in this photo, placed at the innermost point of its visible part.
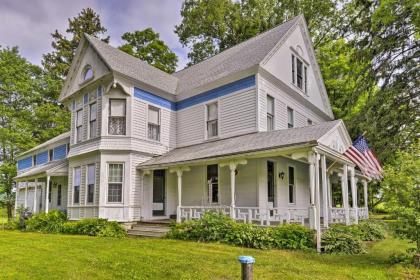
(220, 228)
(336, 241)
(46, 222)
(371, 230)
(56, 222)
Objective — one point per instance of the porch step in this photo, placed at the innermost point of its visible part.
(156, 228)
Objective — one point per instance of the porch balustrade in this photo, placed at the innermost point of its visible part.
(363, 213)
(337, 215)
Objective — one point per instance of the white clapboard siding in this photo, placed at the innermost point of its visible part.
(237, 113)
(190, 125)
(139, 119)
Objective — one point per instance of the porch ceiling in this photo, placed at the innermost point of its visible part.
(55, 168)
(243, 145)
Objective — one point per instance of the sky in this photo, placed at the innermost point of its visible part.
(29, 24)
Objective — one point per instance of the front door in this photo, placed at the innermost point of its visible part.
(158, 193)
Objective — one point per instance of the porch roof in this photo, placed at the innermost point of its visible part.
(254, 142)
(55, 168)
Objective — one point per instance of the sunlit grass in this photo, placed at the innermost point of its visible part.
(47, 256)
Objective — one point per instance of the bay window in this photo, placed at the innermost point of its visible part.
(154, 123)
(117, 114)
(115, 182)
(212, 120)
(76, 185)
(90, 183)
(93, 126)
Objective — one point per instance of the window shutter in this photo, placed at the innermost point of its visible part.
(212, 112)
(79, 118)
(153, 115)
(117, 108)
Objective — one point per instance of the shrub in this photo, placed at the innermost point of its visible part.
(293, 237)
(220, 228)
(371, 230)
(46, 222)
(336, 241)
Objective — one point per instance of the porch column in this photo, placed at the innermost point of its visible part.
(324, 189)
(345, 193)
(36, 186)
(232, 167)
(354, 195)
(179, 171)
(47, 194)
(365, 194)
(317, 204)
(16, 197)
(26, 194)
(312, 179)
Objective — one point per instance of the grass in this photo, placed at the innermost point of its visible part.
(47, 256)
(3, 217)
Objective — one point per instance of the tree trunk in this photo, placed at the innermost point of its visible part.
(9, 212)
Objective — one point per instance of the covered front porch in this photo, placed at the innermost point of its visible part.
(43, 188)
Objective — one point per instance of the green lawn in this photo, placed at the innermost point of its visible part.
(47, 256)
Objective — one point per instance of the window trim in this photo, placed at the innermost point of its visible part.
(159, 125)
(125, 115)
(305, 66)
(294, 185)
(87, 183)
(271, 115)
(84, 72)
(206, 131)
(77, 127)
(122, 183)
(293, 117)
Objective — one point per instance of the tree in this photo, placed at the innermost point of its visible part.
(401, 188)
(57, 63)
(147, 46)
(7, 194)
(209, 27)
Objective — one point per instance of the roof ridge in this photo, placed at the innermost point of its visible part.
(245, 41)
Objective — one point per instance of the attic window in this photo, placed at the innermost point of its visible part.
(87, 73)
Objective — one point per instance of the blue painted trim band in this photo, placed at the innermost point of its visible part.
(60, 152)
(196, 99)
(25, 163)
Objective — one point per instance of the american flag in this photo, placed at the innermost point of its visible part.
(364, 158)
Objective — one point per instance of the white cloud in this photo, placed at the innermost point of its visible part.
(28, 24)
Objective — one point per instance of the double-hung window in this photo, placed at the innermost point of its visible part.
(153, 123)
(299, 73)
(90, 183)
(93, 126)
(115, 182)
(292, 190)
(212, 120)
(270, 113)
(79, 126)
(290, 118)
(117, 113)
(76, 185)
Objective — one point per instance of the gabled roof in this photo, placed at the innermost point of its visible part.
(133, 67)
(235, 59)
(58, 138)
(254, 142)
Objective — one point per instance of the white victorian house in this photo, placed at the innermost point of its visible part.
(249, 132)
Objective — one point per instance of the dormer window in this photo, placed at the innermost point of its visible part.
(87, 73)
(299, 73)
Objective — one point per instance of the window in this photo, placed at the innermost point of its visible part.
(93, 127)
(309, 122)
(212, 116)
(290, 118)
(115, 182)
(59, 195)
(49, 192)
(87, 73)
(116, 125)
(270, 181)
(213, 183)
(299, 74)
(291, 176)
(34, 158)
(51, 155)
(270, 113)
(154, 123)
(79, 126)
(76, 185)
(90, 183)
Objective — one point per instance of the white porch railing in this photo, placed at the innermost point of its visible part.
(196, 212)
(337, 215)
(363, 213)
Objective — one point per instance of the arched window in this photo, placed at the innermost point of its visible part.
(87, 73)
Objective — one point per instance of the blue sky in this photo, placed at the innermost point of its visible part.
(28, 24)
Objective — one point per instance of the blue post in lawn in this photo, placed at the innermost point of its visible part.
(247, 263)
